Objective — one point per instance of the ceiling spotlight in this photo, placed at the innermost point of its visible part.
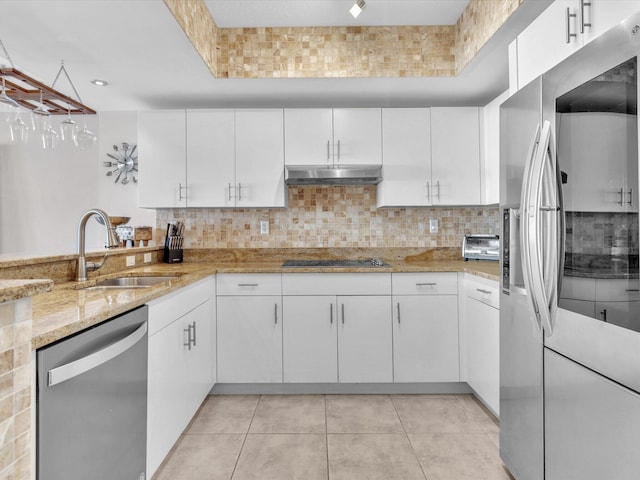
(100, 83)
(357, 8)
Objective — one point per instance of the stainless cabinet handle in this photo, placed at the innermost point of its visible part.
(180, 188)
(630, 196)
(569, 16)
(488, 292)
(438, 186)
(338, 151)
(343, 313)
(187, 330)
(229, 197)
(604, 314)
(427, 284)
(194, 333)
(621, 193)
(248, 284)
(398, 313)
(95, 359)
(632, 290)
(328, 152)
(331, 313)
(428, 193)
(583, 24)
(275, 313)
(239, 191)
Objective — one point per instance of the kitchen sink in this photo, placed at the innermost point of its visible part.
(129, 282)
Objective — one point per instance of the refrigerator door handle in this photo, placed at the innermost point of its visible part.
(541, 224)
(527, 266)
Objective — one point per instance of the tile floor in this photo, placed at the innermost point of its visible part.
(338, 437)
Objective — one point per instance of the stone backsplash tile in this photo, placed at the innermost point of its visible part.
(329, 217)
(602, 233)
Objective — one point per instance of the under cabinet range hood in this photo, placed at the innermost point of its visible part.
(333, 175)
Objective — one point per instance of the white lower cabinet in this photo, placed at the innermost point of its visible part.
(249, 339)
(364, 339)
(337, 328)
(480, 339)
(181, 364)
(249, 328)
(310, 339)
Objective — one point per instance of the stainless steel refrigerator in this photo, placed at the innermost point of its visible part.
(570, 294)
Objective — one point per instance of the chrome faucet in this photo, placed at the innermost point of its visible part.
(112, 241)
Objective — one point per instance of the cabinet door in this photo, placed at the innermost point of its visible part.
(543, 44)
(310, 339)
(364, 339)
(604, 14)
(599, 154)
(210, 158)
(357, 136)
(425, 338)
(162, 159)
(455, 156)
(249, 339)
(201, 355)
(168, 410)
(482, 339)
(406, 157)
(308, 136)
(260, 158)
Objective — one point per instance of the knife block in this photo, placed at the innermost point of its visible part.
(173, 255)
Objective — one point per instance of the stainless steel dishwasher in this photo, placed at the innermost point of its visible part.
(92, 402)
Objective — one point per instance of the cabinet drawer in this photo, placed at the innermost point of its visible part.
(169, 308)
(617, 290)
(425, 283)
(336, 284)
(483, 290)
(249, 284)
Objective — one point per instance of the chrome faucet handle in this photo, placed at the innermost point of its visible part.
(93, 266)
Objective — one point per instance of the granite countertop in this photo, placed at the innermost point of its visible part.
(601, 266)
(11, 290)
(67, 309)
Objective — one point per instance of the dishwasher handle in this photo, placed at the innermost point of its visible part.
(77, 367)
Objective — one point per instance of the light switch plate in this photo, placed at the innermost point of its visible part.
(264, 227)
(433, 225)
(147, 258)
(131, 260)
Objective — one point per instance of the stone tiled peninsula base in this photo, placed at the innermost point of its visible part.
(15, 390)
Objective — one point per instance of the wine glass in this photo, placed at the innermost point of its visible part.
(69, 129)
(49, 137)
(39, 116)
(86, 138)
(19, 129)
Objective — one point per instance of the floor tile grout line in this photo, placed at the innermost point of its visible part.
(326, 434)
(244, 440)
(395, 408)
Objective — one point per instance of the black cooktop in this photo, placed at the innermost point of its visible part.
(371, 263)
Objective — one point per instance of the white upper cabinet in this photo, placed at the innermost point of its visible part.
(162, 152)
(455, 156)
(562, 29)
(308, 136)
(406, 157)
(211, 157)
(259, 177)
(324, 136)
(357, 136)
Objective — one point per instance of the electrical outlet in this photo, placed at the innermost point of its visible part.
(147, 258)
(433, 225)
(131, 260)
(264, 227)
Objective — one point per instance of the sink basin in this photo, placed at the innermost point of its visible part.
(129, 282)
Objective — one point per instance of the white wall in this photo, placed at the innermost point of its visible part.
(491, 150)
(43, 193)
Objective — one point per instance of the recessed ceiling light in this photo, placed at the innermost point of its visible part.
(100, 83)
(357, 8)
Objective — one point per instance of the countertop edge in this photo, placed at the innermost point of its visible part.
(11, 290)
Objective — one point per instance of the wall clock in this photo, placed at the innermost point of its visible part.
(124, 164)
